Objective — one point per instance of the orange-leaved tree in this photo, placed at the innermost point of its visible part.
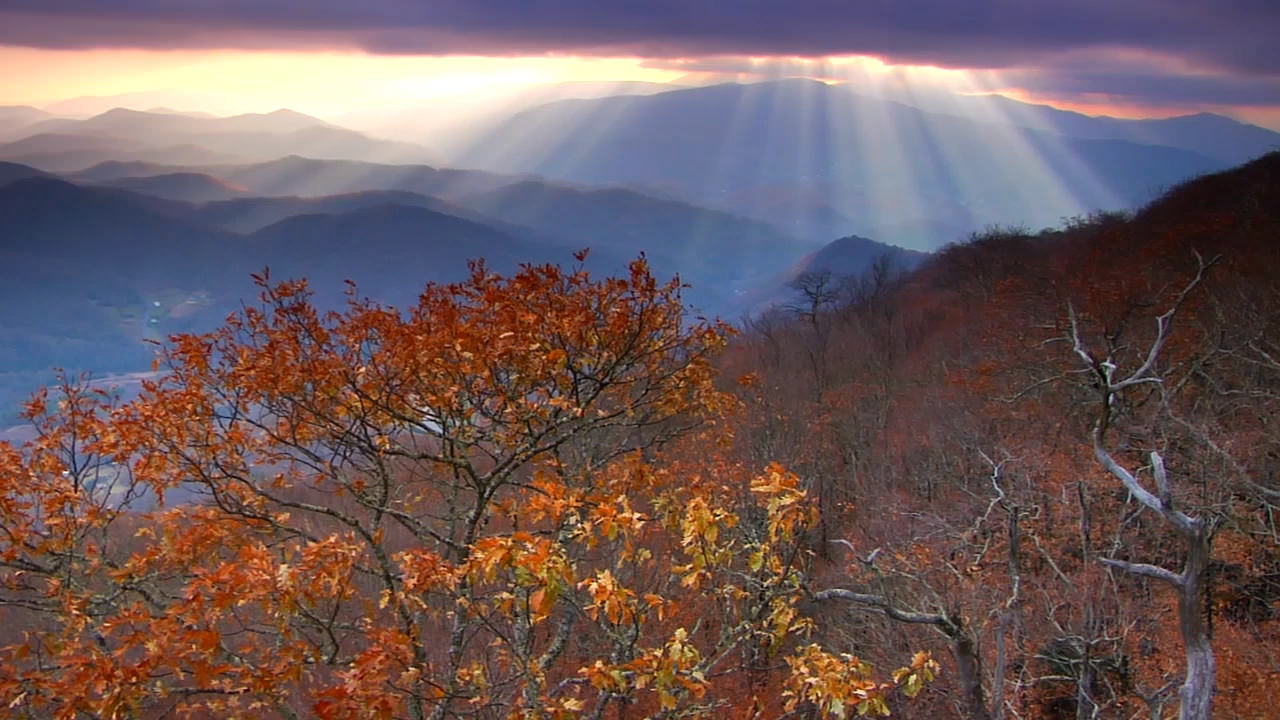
(454, 510)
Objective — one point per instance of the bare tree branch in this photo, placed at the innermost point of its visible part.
(1151, 571)
(881, 603)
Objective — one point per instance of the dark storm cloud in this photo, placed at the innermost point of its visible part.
(1231, 34)
(1079, 79)
(1203, 47)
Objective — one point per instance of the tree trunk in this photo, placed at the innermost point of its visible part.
(1197, 689)
(969, 673)
(1085, 707)
(963, 648)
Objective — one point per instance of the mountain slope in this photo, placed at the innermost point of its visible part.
(93, 272)
(1221, 138)
(89, 277)
(122, 134)
(185, 186)
(109, 170)
(873, 161)
(852, 255)
(389, 251)
(67, 153)
(1011, 341)
(9, 172)
(15, 120)
(838, 263)
(296, 175)
(248, 214)
(717, 252)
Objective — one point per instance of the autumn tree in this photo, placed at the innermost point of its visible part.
(460, 509)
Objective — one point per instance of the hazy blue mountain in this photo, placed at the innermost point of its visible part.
(845, 260)
(92, 273)
(109, 170)
(213, 201)
(67, 153)
(218, 203)
(166, 126)
(389, 251)
(64, 142)
(185, 186)
(720, 254)
(839, 155)
(853, 255)
(1221, 138)
(473, 115)
(15, 120)
(303, 176)
(254, 213)
(9, 172)
(715, 251)
(122, 134)
(89, 278)
(710, 248)
(103, 238)
(127, 243)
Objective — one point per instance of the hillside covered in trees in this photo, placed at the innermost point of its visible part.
(1035, 477)
(1046, 443)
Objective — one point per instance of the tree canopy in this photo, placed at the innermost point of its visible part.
(464, 508)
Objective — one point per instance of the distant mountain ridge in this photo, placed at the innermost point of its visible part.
(248, 214)
(852, 255)
(63, 145)
(841, 261)
(94, 271)
(715, 250)
(1217, 136)
(9, 172)
(15, 119)
(737, 189)
(856, 164)
(185, 186)
(123, 122)
(813, 160)
(712, 248)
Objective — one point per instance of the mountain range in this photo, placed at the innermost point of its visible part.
(821, 161)
(95, 270)
(816, 161)
(63, 145)
(128, 225)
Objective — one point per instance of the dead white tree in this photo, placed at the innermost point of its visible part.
(1196, 532)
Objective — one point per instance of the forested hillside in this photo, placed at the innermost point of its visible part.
(945, 424)
(1035, 477)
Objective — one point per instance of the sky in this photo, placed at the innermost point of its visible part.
(1122, 57)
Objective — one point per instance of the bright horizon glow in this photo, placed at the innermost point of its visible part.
(320, 83)
(334, 83)
(1102, 104)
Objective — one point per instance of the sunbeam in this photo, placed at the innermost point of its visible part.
(918, 156)
(818, 147)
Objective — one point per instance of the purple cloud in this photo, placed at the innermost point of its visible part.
(1220, 51)
(1229, 34)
